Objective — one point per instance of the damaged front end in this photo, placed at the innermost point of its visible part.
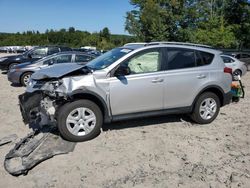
(40, 105)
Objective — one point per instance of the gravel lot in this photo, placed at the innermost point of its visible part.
(151, 152)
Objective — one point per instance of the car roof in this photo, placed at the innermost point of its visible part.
(199, 47)
(73, 52)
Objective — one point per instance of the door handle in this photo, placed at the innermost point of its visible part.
(201, 76)
(157, 80)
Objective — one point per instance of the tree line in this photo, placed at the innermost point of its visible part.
(103, 40)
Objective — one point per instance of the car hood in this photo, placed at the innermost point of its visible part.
(23, 65)
(56, 71)
(13, 56)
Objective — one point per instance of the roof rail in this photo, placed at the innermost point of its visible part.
(179, 43)
(135, 43)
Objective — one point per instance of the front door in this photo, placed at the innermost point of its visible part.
(142, 89)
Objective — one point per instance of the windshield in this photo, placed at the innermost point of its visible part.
(108, 58)
(27, 52)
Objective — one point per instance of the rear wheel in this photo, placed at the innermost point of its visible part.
(25, 78)
(237, 72)
(80, 120)
(206, 108)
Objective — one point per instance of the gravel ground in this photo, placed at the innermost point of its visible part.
(151, 152)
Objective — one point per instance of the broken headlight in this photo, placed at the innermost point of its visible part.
(51, 87)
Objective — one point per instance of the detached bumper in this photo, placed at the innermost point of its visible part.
(227, 98)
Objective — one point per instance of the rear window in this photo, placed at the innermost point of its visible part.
(203, 58)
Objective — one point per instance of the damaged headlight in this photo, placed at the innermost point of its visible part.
(51, 87)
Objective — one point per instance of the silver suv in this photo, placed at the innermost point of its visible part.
(136, 80)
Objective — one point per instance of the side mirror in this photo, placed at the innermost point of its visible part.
(122, 71)
(51, 62)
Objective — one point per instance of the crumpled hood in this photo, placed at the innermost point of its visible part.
(56, 71)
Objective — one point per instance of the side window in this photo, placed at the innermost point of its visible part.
(227, 59)
(52, 50)
(63, 59)
(39, 53)
(179, 58)
(82, 58)
(144, 62)
(203, 58)
(63, 49)
(49, 61)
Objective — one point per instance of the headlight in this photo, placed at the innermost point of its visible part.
(14, 70)
(51, 87)
(2, 59)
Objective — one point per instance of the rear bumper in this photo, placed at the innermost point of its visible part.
(227, 98)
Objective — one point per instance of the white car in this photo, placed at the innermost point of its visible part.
(238, 67)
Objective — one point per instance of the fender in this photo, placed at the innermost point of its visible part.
(87, 94)
(212, 88)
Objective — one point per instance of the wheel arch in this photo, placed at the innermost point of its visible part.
(85, 94)
(214, 89)
(20, 79)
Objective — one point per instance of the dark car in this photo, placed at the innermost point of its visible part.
(32, 55)
(20, 74)
(242, 56)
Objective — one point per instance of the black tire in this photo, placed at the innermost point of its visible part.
(22, 79)
(237, 72)
(196, 116)
(64, 112)
(12, 65)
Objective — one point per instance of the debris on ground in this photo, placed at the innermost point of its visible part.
(8, 139)
(36, 147)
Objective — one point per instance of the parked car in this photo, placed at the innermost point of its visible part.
(129, 82)
(242, 56)
(20, 74)
(7, 62)
(238, 67)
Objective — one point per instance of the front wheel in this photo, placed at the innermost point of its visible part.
(206, 108)
(79, 121)
(25, 78)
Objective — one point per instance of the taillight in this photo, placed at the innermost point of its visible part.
(228, 70)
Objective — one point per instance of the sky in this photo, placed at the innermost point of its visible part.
(87, 15)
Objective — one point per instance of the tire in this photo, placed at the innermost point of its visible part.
(202, 113)
(24, 78)
(70, 120)
(12, 65)
(237, 72)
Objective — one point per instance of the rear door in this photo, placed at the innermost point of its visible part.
(186, 73)
(142, 89)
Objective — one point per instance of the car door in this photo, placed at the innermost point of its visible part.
(184, 78)
(142, 89)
